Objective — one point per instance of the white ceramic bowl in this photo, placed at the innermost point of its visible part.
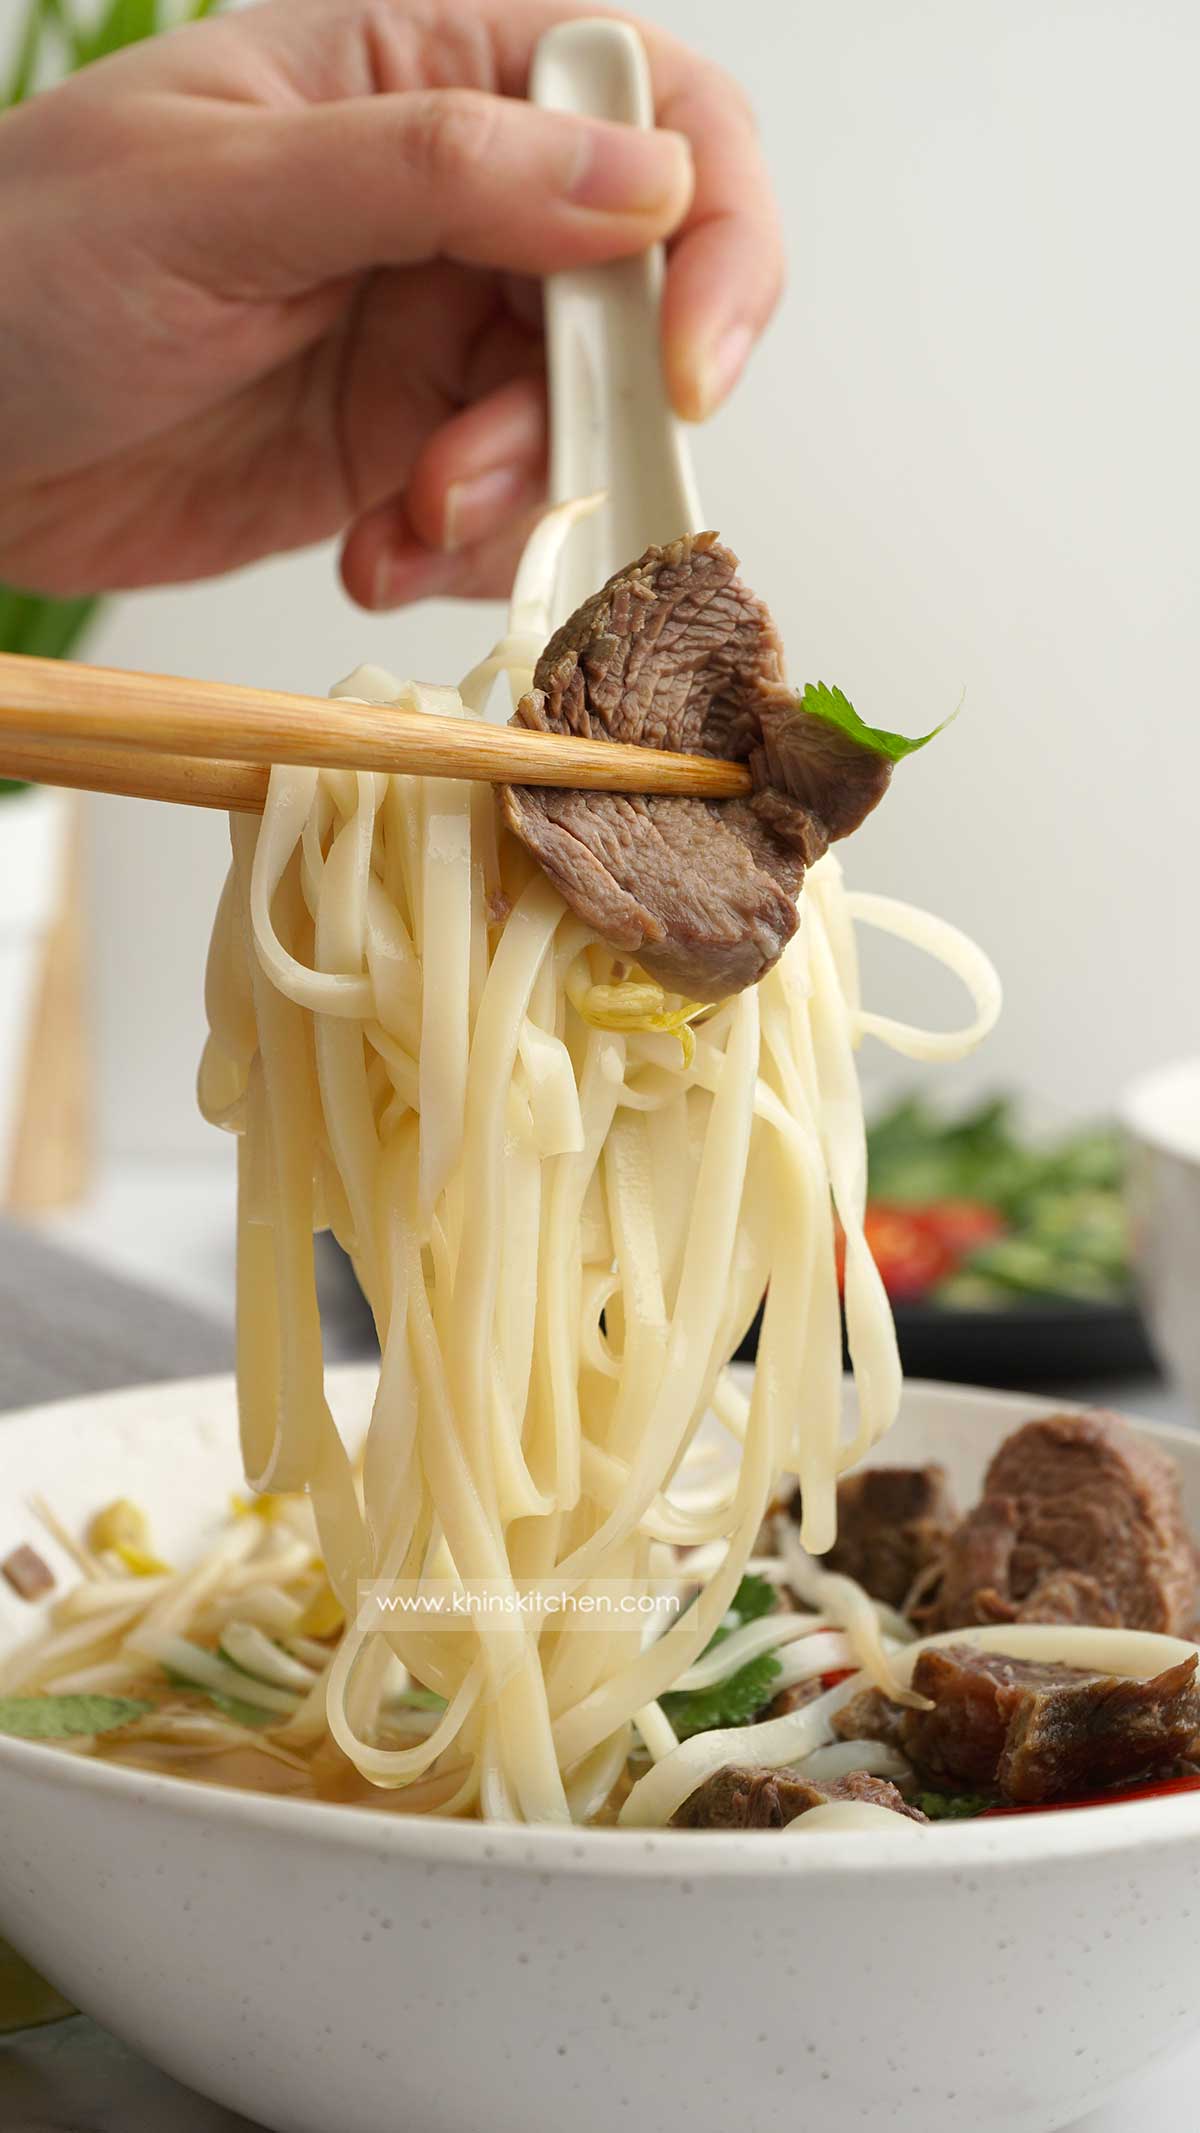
(329, 1971)
(1161, 1115)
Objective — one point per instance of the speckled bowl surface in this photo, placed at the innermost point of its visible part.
(325, 1970)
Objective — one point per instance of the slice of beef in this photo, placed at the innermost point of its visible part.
(1035, 1732)
(792, 1699)
(739, 1798)
(893, 1523)
(27, 1573)
(869, 1716)
(1080, 1521)
(675, 652)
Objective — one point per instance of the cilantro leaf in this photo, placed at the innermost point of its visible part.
(733, 1702)
(736, 1700)
(754, 1598)
(836, 710)
(952, 1806)
(67, 1717)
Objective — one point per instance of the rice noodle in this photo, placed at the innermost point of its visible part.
(835, 1815)
(846, 1603)
(842, 1757)
(1138, 1654)
(403, 1030)
(820, 1654)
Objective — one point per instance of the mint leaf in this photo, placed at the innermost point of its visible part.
(734, 1702)
(66, 1717)
(836, 710)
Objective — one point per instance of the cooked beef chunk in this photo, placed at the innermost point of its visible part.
(869, 1716)
(738, 1798)
(675, 652)
(793, 1699)
(893, 1522)
(1038, 1732)
(26, 1572)
(1080, 1521)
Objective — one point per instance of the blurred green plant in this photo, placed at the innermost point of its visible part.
(58, 37)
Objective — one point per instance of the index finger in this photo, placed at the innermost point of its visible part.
(725, 261)
(725, 265)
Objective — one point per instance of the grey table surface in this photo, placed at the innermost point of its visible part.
(71, 2076)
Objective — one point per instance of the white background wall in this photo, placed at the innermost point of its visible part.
(967, 456)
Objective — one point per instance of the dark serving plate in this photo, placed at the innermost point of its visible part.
(1028, 1344)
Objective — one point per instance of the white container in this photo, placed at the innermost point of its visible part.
(1161, 1115)
(329, 1970)
(33, 840)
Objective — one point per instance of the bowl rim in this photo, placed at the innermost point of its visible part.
(1140, 1101)
(681, 1856)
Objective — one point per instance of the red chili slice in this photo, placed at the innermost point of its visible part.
(836, 1674)
(1153, 1789)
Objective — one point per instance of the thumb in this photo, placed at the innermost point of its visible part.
(389, 180)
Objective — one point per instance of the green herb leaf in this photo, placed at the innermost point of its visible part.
(67, 1717)
(735, 1702)
(415, 1698)
(44, 629)
(952, 1806)
(836, 710)
(755, 1597)
(123, 22)
(20, 81)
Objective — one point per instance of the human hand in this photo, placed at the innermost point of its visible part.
(273, 278)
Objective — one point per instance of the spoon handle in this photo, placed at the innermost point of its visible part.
(611, 425)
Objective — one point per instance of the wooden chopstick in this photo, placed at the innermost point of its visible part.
(113, 731)
(87, 766)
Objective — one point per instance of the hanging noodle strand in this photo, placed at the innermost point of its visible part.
(564, 1195)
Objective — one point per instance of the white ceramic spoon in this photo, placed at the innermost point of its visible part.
(611, 426)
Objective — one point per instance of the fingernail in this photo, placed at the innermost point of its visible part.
(407, 576)
(471, 506)
(626, 170)
(722, 366)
